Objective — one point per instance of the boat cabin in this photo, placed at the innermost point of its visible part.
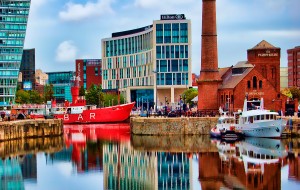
(259, 117)
(75, 110)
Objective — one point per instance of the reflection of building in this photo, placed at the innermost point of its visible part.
(29, 167)
(294, 167)
(174, 171)
(28, 67)
(64, 155)
(14, 15)
(11, 174)
(125, 168)
(293, 66)
(209, 170)
(89, 71)
(61, 82)
(149, 63)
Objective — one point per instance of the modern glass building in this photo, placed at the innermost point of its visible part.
(61, 82)
(150, 64)
(13, 23)
(27, 68)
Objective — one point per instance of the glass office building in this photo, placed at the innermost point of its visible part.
(13, 23)
(150, 64)
(61, 82)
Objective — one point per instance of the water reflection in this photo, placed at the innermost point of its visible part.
(107, 157)
(254, 163)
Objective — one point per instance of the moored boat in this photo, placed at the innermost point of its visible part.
(225, 128)
(78, 112)
(255, 121)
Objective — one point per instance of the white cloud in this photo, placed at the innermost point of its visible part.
(278, 33)
(36, 3)
(75, 12)
(161, 4)
(66, 51)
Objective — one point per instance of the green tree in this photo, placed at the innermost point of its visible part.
(22, 97)
(94, 95)
(81, 91)
(35, 97)
(287, 92)
(26, 97)
(189, 94)
(295, 92)
(112, 99)
(48, 92)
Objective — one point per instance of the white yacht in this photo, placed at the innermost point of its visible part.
(259, 122)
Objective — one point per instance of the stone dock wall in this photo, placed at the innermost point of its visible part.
(189, 126)
(30, 128)
(172, 126)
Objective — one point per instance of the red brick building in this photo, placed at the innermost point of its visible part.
(89, 71)
(257, 78)
(195, 78)
(294, 67)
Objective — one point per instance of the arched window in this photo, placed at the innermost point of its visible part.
(249, 84)
(260, 84)
(254, 82)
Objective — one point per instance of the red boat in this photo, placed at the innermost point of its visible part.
(78, 112)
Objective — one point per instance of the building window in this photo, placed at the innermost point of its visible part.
(260, 84)
(249, 84)
(96, 71)
(273, 72)
(159, 33)
(167, 33)
(254, 82)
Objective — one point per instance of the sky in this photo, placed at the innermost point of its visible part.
(62, 31)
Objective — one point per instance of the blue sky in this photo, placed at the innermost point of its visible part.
(64, 30)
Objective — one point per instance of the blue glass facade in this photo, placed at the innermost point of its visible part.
(13, 23)
(172, 54)
(61, 82)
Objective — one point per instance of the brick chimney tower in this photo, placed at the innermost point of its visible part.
(209, 75)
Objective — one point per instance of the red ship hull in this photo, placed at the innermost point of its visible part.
(111, 114)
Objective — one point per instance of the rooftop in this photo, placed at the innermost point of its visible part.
(264, 45)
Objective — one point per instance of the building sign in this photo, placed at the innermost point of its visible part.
(267, 54)
(93, 62)
(27, 85)
(172, 17)
(79, 71)
(253, 93)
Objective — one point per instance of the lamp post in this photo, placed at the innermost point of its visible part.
(179, 105)
(155, 79)
(166, 105)
(184, 105)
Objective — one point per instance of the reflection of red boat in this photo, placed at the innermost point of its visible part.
(79, 134)
(79, 112)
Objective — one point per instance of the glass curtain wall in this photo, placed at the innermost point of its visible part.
(13, 23)
(172, 54)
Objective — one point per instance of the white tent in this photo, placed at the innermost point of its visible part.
(195, 99)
